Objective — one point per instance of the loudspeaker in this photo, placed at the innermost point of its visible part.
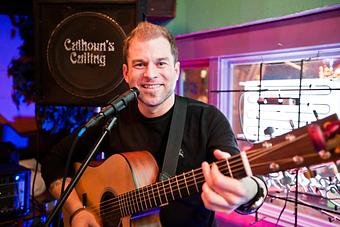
(156, 10)
(78, 46)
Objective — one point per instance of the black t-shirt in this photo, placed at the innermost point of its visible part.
(206, 129)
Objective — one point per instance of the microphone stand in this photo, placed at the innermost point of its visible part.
(79, 173)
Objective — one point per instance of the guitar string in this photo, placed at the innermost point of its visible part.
(251, 155)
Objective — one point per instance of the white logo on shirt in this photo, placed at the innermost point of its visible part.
(181, 153)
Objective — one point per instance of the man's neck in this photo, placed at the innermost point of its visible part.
(156, 111)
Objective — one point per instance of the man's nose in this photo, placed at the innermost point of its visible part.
(150, 71)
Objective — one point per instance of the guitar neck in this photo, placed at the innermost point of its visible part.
(174, 188)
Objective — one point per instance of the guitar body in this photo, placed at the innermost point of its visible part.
(118, 174)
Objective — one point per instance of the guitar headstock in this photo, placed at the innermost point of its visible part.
(316, 143)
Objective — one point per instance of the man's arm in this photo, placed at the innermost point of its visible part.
(73, 206)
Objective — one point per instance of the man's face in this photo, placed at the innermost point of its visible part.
(151, 68)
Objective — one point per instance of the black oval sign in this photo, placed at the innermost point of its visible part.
(85, 54)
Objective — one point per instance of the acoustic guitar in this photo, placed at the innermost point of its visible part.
(123, 190)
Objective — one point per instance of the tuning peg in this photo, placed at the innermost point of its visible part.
(317, 137)
(298, 159)
(331, 128)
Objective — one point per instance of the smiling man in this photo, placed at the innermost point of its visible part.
(151, 65)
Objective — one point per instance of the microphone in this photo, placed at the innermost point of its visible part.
(113, 108)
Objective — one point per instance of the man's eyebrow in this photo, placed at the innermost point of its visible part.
(163, 59)
(137, 61)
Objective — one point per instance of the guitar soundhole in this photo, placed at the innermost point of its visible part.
(109, 212)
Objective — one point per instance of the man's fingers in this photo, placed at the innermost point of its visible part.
(225, 185)
(214, 201)
(206, 172)
(219, 155)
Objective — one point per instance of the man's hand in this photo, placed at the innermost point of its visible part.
(85, 219)
(222, 193)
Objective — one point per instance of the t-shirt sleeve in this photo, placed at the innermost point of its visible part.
(221, 135)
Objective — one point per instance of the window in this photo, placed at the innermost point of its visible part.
(194, 83)
(272, 94)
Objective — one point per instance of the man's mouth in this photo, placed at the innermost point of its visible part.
(150, 86)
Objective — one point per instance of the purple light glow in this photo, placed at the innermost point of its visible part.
(8, 50)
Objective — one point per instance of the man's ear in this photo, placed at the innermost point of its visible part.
(177, 69)
(125, 73)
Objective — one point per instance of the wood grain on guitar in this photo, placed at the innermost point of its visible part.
(124, 186)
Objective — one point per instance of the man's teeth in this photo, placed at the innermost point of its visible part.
(151, 86)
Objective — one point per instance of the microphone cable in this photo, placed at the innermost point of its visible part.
(67, 167)
(283, 208)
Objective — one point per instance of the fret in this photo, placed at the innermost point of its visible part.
(147, 189)
(165, 194)
(172, 193)
(191, 183)
(133, 199)
(186, 184)
(140, 199)
(179, 190)
(134, 203)
(193, 175)
(246, 164)
(124, 205)
(159, 194)
(230, 172)
(136, 200)
(128, 203)
(138, 203)
(120, 206)
(144, 198)
(154, 197)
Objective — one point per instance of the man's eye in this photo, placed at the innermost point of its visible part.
(138, 65)
(162, 63)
